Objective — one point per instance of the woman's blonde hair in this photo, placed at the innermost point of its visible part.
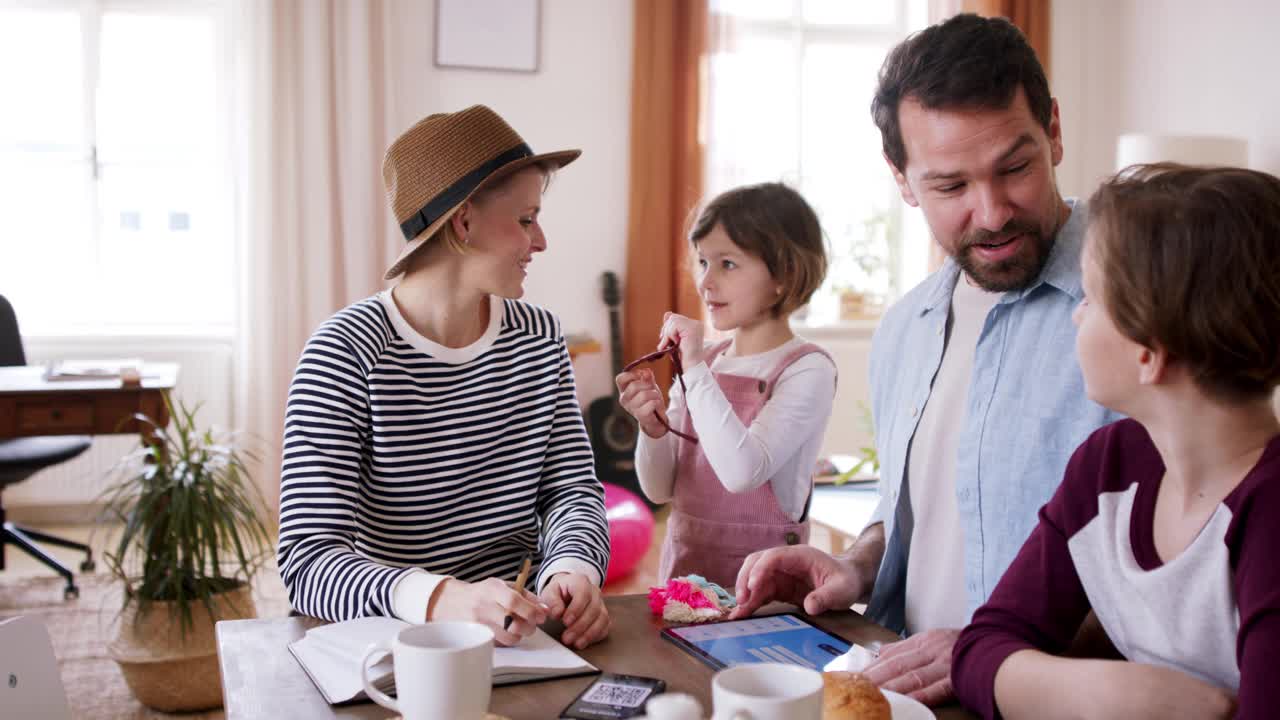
(491, 187)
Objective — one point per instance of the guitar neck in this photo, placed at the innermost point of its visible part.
(615, 343)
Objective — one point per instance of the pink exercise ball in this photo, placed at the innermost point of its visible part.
(630, 530)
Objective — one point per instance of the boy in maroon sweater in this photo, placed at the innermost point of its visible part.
(1167, 524)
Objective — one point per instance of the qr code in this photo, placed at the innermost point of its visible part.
(628, 696)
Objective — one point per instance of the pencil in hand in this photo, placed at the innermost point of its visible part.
(521, 579)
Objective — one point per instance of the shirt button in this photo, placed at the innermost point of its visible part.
(792, 538)
(939, 331)
(913, 412)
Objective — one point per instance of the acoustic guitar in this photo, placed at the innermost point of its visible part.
(613, 431)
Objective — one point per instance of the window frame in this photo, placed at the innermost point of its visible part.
(800, 34)
(91, 14)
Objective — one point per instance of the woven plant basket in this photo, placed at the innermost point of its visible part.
(167, 671)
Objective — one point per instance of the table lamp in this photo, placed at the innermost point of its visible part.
(1134, 148)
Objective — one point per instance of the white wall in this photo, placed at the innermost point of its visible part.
(1166, 66)
(580, 98)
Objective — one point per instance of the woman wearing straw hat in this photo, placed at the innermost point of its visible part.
(433, 438)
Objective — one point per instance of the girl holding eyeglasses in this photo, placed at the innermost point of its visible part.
(734, 449)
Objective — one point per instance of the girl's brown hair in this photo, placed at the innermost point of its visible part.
(1190, 263)
(772, 222)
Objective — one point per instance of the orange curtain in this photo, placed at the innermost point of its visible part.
(1031, 17)
(666, 168)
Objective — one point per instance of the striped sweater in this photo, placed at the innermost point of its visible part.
(409, 461)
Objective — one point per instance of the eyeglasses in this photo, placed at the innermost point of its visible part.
(677, 369)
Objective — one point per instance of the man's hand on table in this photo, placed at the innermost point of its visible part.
(919, 667)
(800, 575)
(576, 601)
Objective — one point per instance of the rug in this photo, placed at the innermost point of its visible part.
(81, 628)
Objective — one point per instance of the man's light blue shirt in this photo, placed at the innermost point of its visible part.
(1025, 414)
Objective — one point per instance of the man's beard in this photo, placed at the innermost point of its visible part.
(1014, 273)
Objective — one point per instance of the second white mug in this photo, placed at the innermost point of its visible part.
(767, 691)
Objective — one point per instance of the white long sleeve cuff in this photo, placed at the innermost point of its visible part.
(411, 594)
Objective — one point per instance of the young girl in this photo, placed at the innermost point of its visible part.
(1166, 524)
(757, 404)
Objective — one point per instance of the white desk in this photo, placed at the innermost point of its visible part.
(843, 510)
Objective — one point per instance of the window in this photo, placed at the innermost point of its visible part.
(790, 87)
(113, 171)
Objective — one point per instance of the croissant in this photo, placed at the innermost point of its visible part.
(851, 696)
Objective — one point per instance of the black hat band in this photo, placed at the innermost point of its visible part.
(458, 191)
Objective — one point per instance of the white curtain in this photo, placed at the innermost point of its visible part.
(314, 231)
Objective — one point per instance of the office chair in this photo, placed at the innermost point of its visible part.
(23, 457)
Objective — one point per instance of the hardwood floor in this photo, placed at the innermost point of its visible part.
(18, 564)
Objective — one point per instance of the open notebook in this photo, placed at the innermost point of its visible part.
(330, 654)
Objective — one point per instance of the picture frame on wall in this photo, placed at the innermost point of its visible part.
(488, 34)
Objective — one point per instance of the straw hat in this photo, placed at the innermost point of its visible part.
(436, 165)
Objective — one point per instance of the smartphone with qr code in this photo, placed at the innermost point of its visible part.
(612, 696)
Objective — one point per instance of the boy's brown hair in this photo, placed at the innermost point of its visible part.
(774, 223)
(1190, 261)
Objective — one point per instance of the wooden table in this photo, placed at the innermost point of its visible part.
(31, 405)
(261, 679)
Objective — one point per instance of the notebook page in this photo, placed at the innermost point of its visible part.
(538, 655)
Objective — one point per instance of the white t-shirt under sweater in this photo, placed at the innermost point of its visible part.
(935, 593)
(779, 447)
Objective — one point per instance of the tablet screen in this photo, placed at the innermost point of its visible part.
(776, 638)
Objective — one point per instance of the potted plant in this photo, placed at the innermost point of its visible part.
(193, 537)
(861, 267)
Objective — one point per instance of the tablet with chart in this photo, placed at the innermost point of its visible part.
(789, 639)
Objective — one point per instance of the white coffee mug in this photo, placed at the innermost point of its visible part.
(673, 706)
(767, 691)
(442, 670)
